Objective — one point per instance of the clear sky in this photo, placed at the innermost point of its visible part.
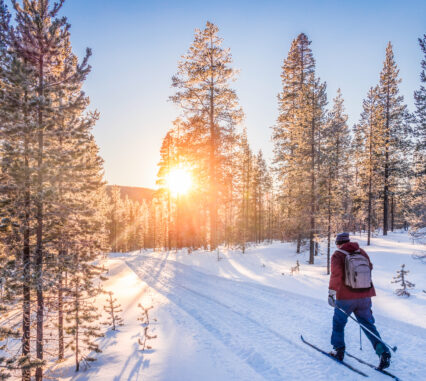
(136, 45)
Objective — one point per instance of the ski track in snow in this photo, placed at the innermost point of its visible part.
(260, 325)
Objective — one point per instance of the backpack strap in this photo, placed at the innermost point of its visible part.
(343, 251)
(347, 252)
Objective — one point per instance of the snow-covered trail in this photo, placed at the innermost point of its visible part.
(257, 328)
(240, 318)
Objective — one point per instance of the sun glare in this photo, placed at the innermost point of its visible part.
(179, 181)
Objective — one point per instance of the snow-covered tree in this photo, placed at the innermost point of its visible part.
(335, 169)
(51, 170)
(145, 321)
(367, 153)
(395, 134)
(209, 103)
(113, 309)
(406, 285)
(297, 139)
(417, 202)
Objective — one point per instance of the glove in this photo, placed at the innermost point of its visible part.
(332, 298)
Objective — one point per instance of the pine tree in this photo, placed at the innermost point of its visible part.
(167, 162)
(113, 309)
(297, 139)
(368, 153)
(8, 295)
(207, 101)
(335, 163)
(417, 203)
(405, 284)
(144, 319)
(395, 132)
(114, 217)
(52, 172)
(261, 185)
(16, 136)
(246, 173)
(41, 40)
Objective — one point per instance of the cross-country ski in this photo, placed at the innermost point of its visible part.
(333, 358)
(373, 367)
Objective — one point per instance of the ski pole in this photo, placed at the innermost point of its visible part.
(363, 326)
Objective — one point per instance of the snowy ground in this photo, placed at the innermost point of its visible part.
(240, 318)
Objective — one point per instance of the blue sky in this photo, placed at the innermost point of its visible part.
(136, 46)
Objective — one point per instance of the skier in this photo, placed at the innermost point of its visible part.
(351, 290)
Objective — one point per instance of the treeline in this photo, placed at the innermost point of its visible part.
(326, 176)
(334, 178)
(52, 194)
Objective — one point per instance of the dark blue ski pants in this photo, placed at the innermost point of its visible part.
(362, 310)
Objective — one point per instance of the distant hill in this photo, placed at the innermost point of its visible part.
(134, 193)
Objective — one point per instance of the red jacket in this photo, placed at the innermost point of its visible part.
(337, 277)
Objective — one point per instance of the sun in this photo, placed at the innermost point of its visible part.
(179, 181)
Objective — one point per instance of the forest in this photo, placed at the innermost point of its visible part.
(58, 219)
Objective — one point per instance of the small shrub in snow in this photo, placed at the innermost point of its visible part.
(295, 269)
(405, 284)
(113, 309)
(145, 324)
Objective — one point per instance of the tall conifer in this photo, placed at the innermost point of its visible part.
(394, 130)
(203, 92)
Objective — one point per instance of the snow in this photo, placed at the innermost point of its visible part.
(240, 318)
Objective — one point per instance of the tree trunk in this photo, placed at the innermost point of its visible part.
(312, 222)
(329, 224)
(386, 197)
(386, 174)
(77, 326)
(370, 181)
(26, 264)
(39, 231)
(213, 142)
(60, 318)
(299, 243)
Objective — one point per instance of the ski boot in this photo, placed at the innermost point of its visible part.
(384, 361)
(384, 356)
(338, 353)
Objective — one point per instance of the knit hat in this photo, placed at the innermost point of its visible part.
(342, 238)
